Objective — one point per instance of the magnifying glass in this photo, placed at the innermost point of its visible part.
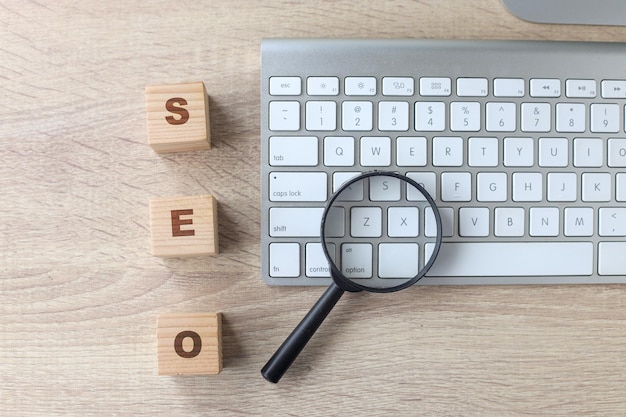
(380, 232)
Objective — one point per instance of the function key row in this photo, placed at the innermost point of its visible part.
(443, 86)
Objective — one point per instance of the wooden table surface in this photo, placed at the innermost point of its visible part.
(80, 291)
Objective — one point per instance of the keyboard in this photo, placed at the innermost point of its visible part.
(522, 145)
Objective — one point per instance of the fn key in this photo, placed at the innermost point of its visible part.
(284, 260)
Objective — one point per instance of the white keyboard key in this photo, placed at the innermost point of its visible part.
(611, 258)
(285, 86)
(428, 180)
(298, 186)
(321, 115)
(284, 260)
(578, 221)
(357, 115)
(536, 117)
(435, 86)
(492, 186)
(496, 259)
(509, 87)
(519, 152)
(393, 116)
(580, 88)
(544, 221)
(596, 186)
(366, 222)
(570, 117)
(293, 151)
(527, 186)
(456, 186)
(284, 115)
(605, 118)
(465, 116)
(375, 151)
(545, 87)
(612, 221)
(509, 222)
(295, 221)
(360, 86)
(448, 151)
(354, 191)
(322, 86)
(472, 87)
(411, 151)
(474, 221)
(501, 117)
(430, 116)
(335, 225)
(447, 222)
(614, 88)
(588, 152)
(398, 260)
(403, 222)
(338, 151)
(384, 189)
(398, 86)
(483, 152)
(316, 264)
(562, 186)
(617, 152)
(356, 260)
(553, 152)
(620, 187)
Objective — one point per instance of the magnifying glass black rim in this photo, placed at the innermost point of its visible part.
(346, 284)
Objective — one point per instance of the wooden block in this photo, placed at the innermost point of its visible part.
(189, 344)
(178, 117)
(184, 226)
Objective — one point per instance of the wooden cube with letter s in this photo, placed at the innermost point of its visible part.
(178, 117)
(184, 226)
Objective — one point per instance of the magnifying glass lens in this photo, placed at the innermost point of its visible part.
(381, 232)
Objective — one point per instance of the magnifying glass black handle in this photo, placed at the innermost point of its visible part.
(300, 336)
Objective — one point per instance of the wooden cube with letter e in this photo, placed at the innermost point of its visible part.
(189, 344)
(178, 117)
(184, 226)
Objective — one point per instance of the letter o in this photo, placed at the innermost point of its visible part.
(197, 344)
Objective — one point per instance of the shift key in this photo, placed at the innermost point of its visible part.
(298, 186)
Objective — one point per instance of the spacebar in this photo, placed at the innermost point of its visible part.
(513, 259)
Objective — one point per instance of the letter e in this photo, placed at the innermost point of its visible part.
(177, 222)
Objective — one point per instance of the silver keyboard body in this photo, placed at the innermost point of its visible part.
(513, 124)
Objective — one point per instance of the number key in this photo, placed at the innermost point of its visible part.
(536, 117)
(570, 117)
(356, 115)
(605, 118)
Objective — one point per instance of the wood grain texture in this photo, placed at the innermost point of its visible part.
(80, 291)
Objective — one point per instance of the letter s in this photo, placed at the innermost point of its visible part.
(173, 106)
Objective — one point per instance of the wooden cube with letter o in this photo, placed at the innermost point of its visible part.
(178, 117)
(184, 226)
(189, 344)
